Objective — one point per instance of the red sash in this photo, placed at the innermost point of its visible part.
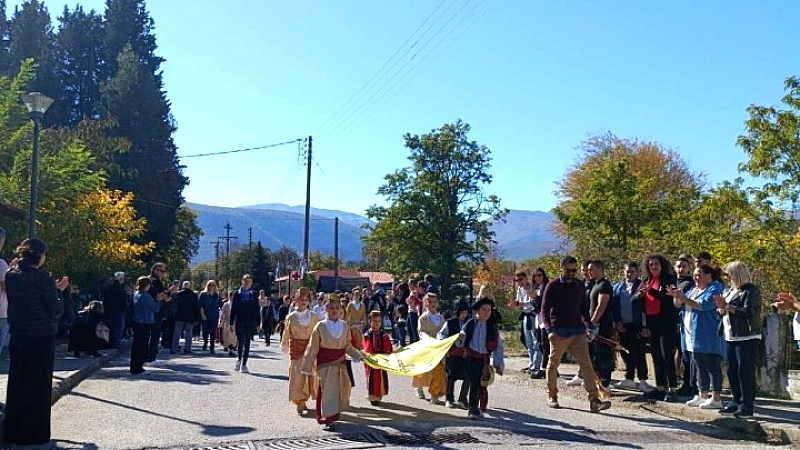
(330, 356)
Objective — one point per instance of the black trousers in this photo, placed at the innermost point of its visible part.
(30, 383)
(635, 362)
(141, 341)
(209, 332)
(742, 371)
(154, 338)
(473, 368)
(244, 343)
(603, 361)
(662, 349)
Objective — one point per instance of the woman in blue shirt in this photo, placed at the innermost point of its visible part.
(701, 325)
(145, 308)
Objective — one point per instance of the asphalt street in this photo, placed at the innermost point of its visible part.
(198, 401)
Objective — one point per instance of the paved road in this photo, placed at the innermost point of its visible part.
(198, 401)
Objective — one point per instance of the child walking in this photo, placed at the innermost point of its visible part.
(376, 341)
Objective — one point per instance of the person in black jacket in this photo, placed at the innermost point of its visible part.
(33, 311)
(83, 334)
(661, 324)
(245, 317)
(115, 304)
(187, 313)
(454, 361)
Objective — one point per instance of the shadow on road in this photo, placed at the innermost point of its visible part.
(177, 373)
(208, 430)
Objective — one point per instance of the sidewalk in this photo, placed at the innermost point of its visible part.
(68, 370)
(776, 421)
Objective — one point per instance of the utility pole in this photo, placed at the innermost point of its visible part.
(336, 254)
(228, 238)
(308, 203)
(216, 259)
(250, 238)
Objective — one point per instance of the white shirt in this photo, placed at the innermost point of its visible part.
(796, 326)
(335, 329)
(524, 300)
(304, 318)
(726, 321)
(436, 318)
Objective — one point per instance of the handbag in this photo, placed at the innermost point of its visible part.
(102, 332)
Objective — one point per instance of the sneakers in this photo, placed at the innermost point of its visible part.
(670, 397)
(743, 413)
(575, 381)
(436, 400)
(450, 405)
(596, 405)
(696, 401)
(474, 415)
(420, 394)
(244, 369)
(710, 403)
(644, 386)
(537, 374)
(302, 408)
(238, 365)
(625, 384)
(462, 404)
(552, 402)
(729, 408)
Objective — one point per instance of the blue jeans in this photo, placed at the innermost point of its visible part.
(530, 341)
(116, 325)
(3, 334)
(401, 332)
(709, 371)
(498, 357)
(742, 371)
(184, 328)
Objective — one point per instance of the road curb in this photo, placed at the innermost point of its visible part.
(63, 387)
(770, 432)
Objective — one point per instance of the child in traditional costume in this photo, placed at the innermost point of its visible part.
(479, 338)
(454, 361)
(298, 326)
(376, 341)
(430, 322)
(330, 343)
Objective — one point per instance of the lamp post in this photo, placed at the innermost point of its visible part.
(37, 103)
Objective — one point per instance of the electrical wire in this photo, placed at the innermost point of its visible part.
(407, 70)
(199, 155)
(333, 186)
(342, 112)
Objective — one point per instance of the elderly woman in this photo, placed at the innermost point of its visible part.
(741, 319)
(701, 334)
(85, 334)
(33, 311)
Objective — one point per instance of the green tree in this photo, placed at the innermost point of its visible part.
(625, 197)
(439, 214)
(151, 170)
(80, 66)
(185, 240)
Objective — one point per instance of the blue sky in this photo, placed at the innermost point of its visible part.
(533, 78)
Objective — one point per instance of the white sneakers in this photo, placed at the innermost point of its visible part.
(696, 401)
(238, 365)
(705, 403)
(710, 403)
(575, 381)
(625, 384)
(244, 369)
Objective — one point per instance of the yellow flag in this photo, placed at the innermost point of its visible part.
(415, 359)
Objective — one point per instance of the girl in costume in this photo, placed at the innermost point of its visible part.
(298, 326)
(430, 322)
(376, 341)
(330, 343)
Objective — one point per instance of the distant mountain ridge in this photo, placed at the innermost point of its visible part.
(524, 235)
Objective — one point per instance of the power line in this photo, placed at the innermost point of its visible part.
(329, 181)
(412, 71)
(422, 52)
(198, 155)
(363, 90)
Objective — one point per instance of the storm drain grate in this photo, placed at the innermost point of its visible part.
(369, 440)
(237, 446)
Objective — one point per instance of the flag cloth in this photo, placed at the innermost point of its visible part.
(415, 359)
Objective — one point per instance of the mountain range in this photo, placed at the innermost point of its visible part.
(524, 234)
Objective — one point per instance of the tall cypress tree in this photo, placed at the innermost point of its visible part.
(80, 65)
(5, 40)
(31, 36)
(151, 170)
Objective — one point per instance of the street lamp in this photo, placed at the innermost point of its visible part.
(37, 103)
